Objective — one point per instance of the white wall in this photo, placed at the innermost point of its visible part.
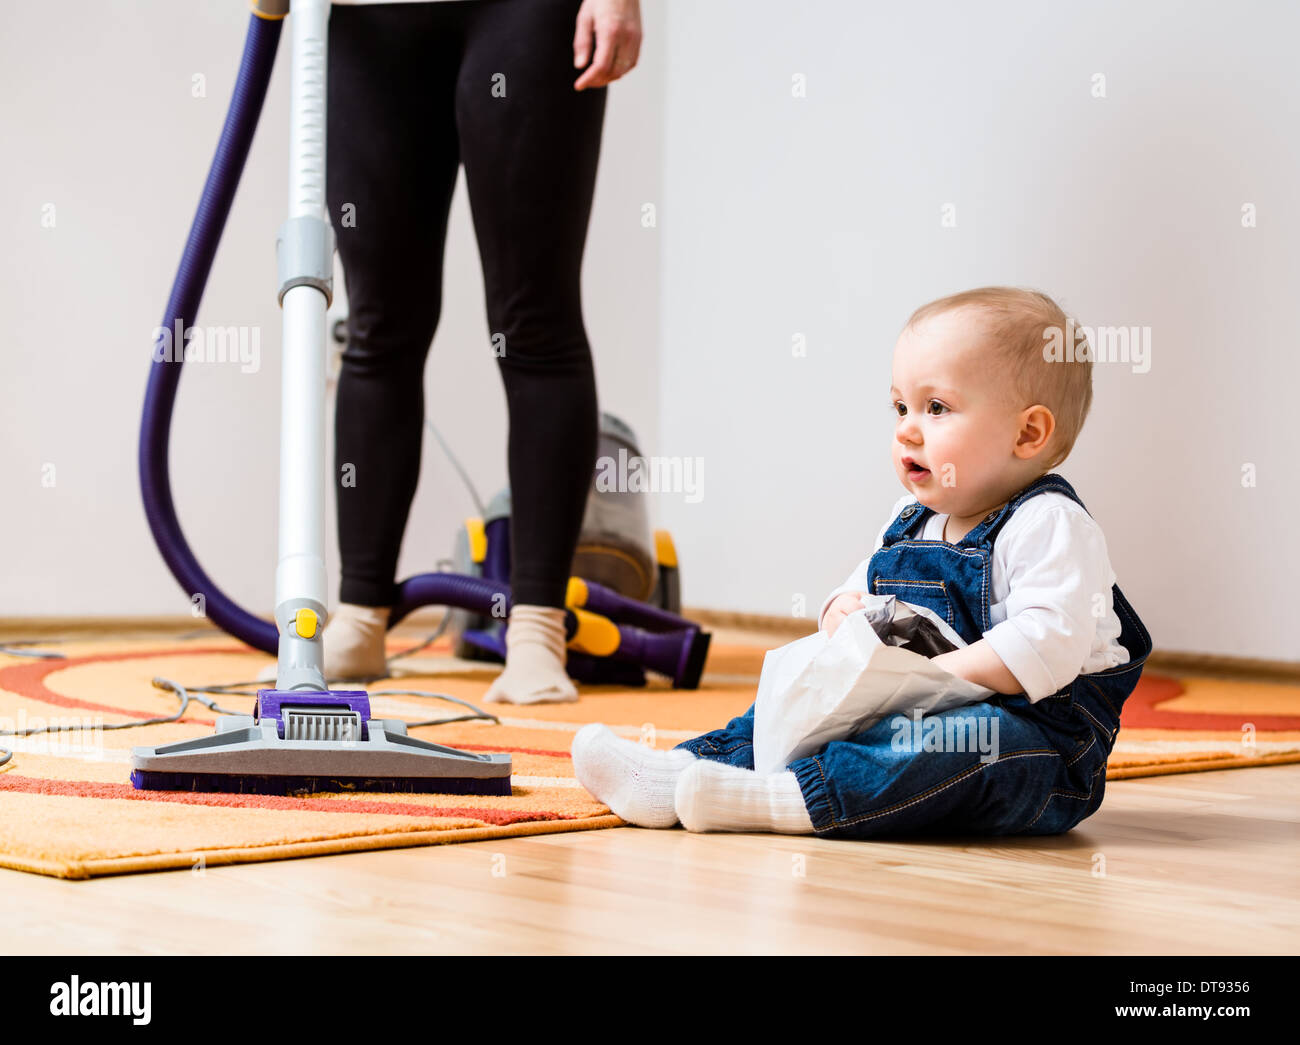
(821, 216)
(776, 216)
(98, 118)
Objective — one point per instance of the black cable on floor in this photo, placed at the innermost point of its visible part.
(12, 648)
(186, 694)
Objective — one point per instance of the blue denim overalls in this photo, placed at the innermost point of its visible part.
(1050, 767)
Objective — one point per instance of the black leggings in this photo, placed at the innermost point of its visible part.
(414, 91)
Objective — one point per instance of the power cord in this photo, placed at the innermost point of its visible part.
(183, 694)
(186, 694)
(240, 689)
(455, 463)
(434, 636)
(482, 511)
(12, 647)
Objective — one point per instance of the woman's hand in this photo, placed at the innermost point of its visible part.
(616, 26)
(840, 608)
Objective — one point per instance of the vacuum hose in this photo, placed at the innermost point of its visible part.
(165, 373)
(182, 309)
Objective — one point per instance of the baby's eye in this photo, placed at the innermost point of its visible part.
(933, 404)
(900, 408)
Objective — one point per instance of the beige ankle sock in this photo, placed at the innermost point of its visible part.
(535, 651)
(354, 643)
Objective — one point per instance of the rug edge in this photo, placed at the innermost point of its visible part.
(1200, 765)
(84, 870)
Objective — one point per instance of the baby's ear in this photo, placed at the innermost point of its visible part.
(1037, 424)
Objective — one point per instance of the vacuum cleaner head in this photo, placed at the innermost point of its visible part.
(300, 742)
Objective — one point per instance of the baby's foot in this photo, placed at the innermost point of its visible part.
(713, 796)
(635, 781)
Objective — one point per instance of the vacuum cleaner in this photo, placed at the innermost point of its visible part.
(302, 737)
(621, 572)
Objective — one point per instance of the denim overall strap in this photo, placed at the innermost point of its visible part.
(953, 580)
(986, 532)
(1133, 634)
(1099, 697)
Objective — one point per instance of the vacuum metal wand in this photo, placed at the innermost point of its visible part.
(305, 260)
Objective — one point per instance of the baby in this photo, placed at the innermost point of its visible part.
(998, 545)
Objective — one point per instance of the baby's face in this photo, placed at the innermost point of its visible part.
(957, 426)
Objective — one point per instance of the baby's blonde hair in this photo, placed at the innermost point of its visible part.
(1021, 323)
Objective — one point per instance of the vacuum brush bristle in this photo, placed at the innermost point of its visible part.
(298, 786)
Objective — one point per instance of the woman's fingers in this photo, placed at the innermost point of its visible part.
(582, 37)
(616, 25)
(597, 74)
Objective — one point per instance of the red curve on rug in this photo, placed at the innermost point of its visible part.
(1142, 711)
(28, 680)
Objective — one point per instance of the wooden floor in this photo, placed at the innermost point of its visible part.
(1200, 863)
(1197, 863)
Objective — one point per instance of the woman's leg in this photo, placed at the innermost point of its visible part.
(392, 161)
(530, 145)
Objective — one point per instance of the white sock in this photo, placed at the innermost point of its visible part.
(535, 653)
(713, 796)
(354, 643)
(635, 781)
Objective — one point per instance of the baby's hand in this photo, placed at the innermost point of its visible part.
(839, 609)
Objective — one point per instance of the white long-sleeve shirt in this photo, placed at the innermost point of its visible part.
(1052, 608)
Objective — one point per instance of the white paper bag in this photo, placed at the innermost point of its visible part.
(818, 689)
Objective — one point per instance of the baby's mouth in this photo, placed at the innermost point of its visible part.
(914, 471)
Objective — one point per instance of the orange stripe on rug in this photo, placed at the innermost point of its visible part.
(516, 750)
(28, 680)
(94, 789)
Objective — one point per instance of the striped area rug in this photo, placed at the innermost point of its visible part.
(67, 807)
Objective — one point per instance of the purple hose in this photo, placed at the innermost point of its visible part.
(164, 375)
(609, 603)
(476, 594)
(183, 306)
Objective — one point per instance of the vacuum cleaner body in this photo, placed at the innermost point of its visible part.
(616, 554)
